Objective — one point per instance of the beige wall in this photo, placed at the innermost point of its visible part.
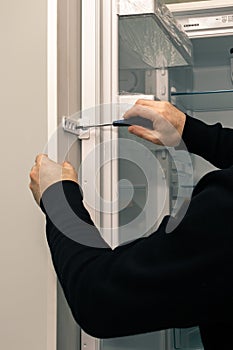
(24, 271)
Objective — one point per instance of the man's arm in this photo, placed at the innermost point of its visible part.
(180, 279)
(163, 281)
(212, 142)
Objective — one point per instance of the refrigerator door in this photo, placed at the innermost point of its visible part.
(117, 69)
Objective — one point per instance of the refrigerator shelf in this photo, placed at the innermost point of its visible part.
(150, 37)
(204, 101)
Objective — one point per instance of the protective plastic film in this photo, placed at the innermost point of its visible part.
(150, 37)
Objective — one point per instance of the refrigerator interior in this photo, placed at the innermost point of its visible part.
(205, 91)
(211, 100)
(209, 87)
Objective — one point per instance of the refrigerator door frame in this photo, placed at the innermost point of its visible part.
(102, 95)
(103, 91)
(90, 67)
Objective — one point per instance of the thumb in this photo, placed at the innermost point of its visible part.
(67, 165)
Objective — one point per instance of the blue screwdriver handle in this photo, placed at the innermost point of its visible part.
(146, 123)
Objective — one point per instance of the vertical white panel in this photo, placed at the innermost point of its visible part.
(68, 103)
(91, 97)
(99, 86)
(115, 100)
(52, 152)
(109, 88)
(52, 78)
(90, 53)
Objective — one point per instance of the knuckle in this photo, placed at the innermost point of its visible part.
(40, 156)
(165, 104)
(139, 109)
(68, 165)
(31, 173)
(142, 102)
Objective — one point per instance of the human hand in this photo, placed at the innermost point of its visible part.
(168, 122)
(47, 172)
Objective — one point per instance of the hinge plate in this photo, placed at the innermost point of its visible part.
(76, 127)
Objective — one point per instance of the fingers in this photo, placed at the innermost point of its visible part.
(33, 177)
(148, 103)
(139, 131)
(39, 158)
(155, 106)
(144, 133)
(158, 106)
(69, 172)
(67, 165)
(140, 111)
(43, 158)
(33, 171)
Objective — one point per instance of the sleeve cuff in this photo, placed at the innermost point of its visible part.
(64, 209)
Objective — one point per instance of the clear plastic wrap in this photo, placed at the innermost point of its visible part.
(150, 37)
(133, 7)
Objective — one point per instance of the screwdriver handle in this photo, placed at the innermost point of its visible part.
(146, 123)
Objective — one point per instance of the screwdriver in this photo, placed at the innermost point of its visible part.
(146, 123)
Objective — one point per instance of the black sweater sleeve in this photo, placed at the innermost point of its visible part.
(212, 142)
(163, 281)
